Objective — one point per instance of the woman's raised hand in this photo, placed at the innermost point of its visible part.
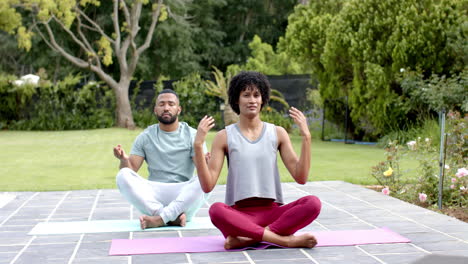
(300, 120)
(206, 123)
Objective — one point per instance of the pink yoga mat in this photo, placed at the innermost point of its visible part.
(216, 243)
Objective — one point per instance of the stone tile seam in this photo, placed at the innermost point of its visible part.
(34, 237)
(308, 256)
(367, 253)
(72, 257)
(248, 257)
(401, 216)
(370, 255)
(18, 209)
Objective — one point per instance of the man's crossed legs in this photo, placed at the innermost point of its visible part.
(161, 203)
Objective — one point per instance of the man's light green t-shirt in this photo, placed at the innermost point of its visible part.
(168, 154)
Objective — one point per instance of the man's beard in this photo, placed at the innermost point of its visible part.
(167, 120)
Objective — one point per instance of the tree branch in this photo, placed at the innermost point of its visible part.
(71, 34)
(115, 19)
(85, 41)
(94, 25)
(77, 61)
(126, 12)
(150, 34)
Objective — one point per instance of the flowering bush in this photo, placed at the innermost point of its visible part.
(424, 189)
(387, 173)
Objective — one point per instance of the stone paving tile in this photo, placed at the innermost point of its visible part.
(334, 252)
(402, 258)
(106, 260)
(277, 253)
(7, 257)
(344, 206)
(459, 253)
(280, 261)
(104, 237)
(94, 249)
(54, 251)
(382, 249)
(443, 245)
(218, 257)
(56, 239)
(159, 258)
(350, 260)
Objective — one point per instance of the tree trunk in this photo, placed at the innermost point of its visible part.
(230, 117)
(123, 109)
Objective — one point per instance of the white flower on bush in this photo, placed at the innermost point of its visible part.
(461, 172)
(462, 188)
(411, 145)
(427, 139)
(447, 167)
(27, 79)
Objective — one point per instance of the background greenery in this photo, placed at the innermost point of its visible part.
(69, 160)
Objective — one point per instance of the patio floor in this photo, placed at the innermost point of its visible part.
(436, 238)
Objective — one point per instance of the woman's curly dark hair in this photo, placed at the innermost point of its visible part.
(242, 81)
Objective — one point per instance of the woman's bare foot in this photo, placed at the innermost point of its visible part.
(180, 220)
(238, 242)
(306, 240)
(147, 221)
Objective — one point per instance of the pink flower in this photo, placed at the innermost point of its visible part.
(461, 172)
(422, 197)
(454, 180)
(452, 186)
(386, 191)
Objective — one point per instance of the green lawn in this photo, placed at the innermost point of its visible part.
(70, 160)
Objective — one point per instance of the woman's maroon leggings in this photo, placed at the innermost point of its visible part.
(248, 218)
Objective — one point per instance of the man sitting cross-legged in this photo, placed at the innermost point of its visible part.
(172, 193)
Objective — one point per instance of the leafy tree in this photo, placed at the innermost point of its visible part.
(241, 20)
(265, 60)
(356, 48)
(98, 42)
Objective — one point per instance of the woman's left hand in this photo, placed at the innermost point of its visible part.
(300, 120)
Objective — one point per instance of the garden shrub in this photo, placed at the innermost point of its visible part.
(271, 115)
(195, 102)
(13, 99)
(64, 106)
(424, 189)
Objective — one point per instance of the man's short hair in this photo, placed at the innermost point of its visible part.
(164, 91)
(246, 79)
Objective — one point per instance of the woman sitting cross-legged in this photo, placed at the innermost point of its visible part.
(253, 210)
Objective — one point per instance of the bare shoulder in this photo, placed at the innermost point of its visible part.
(282, 133)
(220, 138)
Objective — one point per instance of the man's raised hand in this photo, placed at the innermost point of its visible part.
(119, 152)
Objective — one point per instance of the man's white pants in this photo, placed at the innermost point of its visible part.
(167, 200)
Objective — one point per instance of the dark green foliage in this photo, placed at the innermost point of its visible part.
(270, 115)
(194, 101)
(358, 48)
(64, 106)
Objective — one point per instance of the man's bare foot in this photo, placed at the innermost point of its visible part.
(180, 220)
(147, 221)
(306, 240)
(238, 242)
